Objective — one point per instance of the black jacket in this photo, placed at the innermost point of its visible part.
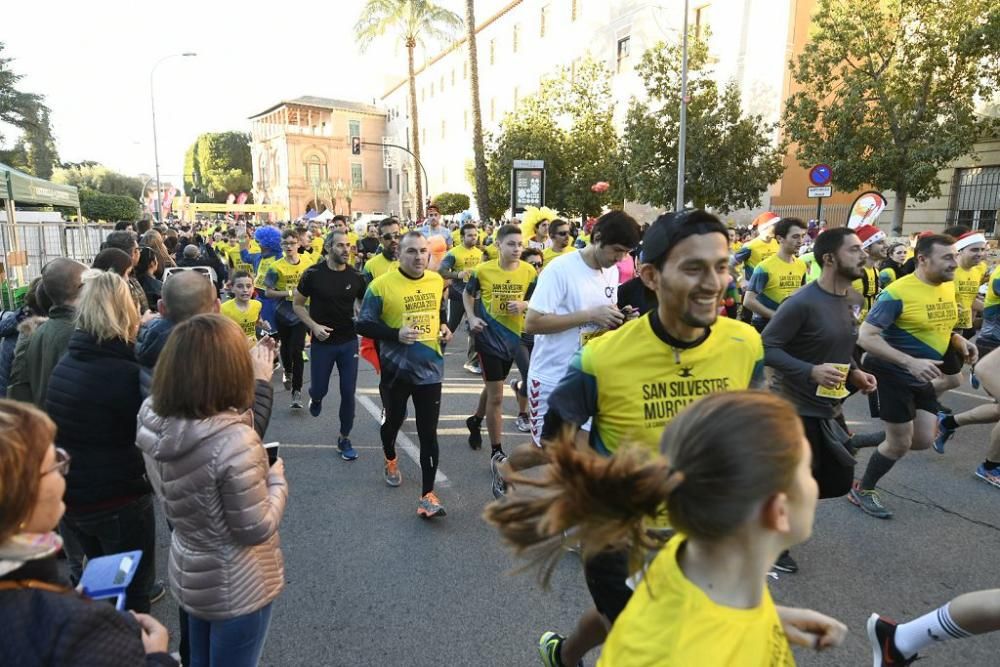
(9, 322)
(152, 337)
(51, 628)
(94, 399)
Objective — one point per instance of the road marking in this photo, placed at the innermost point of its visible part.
(402, 440)
(970, 395)
(286, 445)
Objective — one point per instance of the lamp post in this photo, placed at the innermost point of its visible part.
(152, 104)
(682, 137)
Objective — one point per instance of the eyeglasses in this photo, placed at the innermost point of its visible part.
(536, 265)
(389, 237)
(62, 463)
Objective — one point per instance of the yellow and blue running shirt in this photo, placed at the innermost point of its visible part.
(753, 253)
(247, 319)
(868, 287)
(886, 277)
(967, 282)
(670, 622)
(396, 300)
(282, 275)
(495, 288)
(460, 258)
(260, 282)
(549, 254)
(378, 266)
(915, 318)
(991, 309)
(774, 280)
(632, 381)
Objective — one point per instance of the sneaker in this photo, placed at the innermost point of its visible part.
(786, 563)
(473, 368)
(429, 506)
(514, 384)
(523, 423)
(381, 418)
(989, 476)
(315, 407)
(863, 440)
(870, 502)
(297, 400)
(498, 484)
(549, 648)
(157, 593)
(392, 475)
(347, 451)
(287, 380)
(474, 424)
(945, 409)
(943, 434)
(882, 635)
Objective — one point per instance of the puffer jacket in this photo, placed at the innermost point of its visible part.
(225, 506)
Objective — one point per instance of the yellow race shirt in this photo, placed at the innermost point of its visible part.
(670, 622)
(260, 282)
(755, 252)
(967, 282)
(867, 287)
(549, 254)
(460, 258)
(491, 251)
(774, 280)
(378, 266)
(495, 288)
(632, 381)
(247, 319)
(916, 318)
(398, 301)
(317, 244)
(282, 275)
(991, 309)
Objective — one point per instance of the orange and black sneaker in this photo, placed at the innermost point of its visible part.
(392, 475)
(882, 635)
(429, 506)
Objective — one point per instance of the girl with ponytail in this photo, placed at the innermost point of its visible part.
(736, 501)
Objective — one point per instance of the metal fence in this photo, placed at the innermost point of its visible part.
(45, 241)
(835, 215)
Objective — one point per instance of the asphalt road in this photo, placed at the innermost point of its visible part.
(369, 583)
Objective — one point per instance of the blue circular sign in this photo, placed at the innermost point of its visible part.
(821, 174)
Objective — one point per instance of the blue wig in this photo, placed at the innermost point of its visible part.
(269, 239)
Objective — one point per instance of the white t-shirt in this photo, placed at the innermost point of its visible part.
(568, 285)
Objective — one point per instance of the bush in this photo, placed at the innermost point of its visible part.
(110, 208)
(451, 203)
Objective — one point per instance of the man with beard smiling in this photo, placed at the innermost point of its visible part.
(386, 260)
(633, 380)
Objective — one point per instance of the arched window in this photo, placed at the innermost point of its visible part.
(315, 169)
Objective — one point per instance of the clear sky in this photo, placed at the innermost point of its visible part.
(92, 61)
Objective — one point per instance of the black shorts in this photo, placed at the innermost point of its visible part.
(952, 362)
(607, 574)
(967, 334)
(899, 400)
(495, 369)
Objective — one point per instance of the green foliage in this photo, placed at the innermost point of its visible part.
(452, 203)
(568, 124)
(409, 20)
(19, 109)
(110, 208)
(16, 157)
(42, 154)
(97, 177)
(889, 91)
(217, 164)
(730, 158)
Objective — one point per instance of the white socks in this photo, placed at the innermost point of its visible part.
(932, 627)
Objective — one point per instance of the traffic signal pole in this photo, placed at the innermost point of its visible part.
(427, 183)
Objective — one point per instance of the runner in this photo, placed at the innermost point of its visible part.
(907, 335)
(437, 235)
(242, 308)
(970, 274)
(760, 248)
(704, 599)
(386, 260)
(632, 381)
(559, 233)
(867, 284)
(495, 303)
(332, 288)
(778, 277)
(457, 266)
(403, 311)
(574, 301)
(279, 283)
(522, 423)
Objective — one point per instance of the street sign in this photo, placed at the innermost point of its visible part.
(821, 174)
(387, 161)
(821, 191)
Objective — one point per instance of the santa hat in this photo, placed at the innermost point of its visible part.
(869, 235)
(764, 220)
(969, 238)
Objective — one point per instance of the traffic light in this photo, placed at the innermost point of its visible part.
(355, 145)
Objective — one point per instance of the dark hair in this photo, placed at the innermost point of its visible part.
(829, 242)
(467, 226)
(530, 252)
(121, 239)
(341, 218)
(925, 244)
(956, 230)
(559, 222)
(387, 222)
(113, 259)
(785, 225)
(290, 233)
(616, 228)
(241, 274)
(146, 258)
(122, 225)
(506, 231)
(434, 207)
(143, 226)
(36, 300)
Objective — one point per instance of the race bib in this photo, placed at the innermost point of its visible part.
(964, 318)
(423, 323)
(587, 336)
(840, 391)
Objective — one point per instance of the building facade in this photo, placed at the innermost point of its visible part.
(304, 156)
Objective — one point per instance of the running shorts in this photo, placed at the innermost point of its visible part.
(607, 580)
(952, 362)
(495, 369)
(899, 400)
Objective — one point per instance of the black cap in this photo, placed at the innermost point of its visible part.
(671, 228)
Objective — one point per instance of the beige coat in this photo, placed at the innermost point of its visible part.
(225, 507)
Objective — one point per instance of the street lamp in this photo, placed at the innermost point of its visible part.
(682, 135)
(152, 104)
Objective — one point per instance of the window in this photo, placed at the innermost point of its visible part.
(623, 51)
(700, 21)
(315, 169)
(517, 29)
(542, 20)
(574, 9)
(356, 181)
(354, 128)
(976, 198)
(493, 51)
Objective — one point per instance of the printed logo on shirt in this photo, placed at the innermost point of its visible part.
(664, 400)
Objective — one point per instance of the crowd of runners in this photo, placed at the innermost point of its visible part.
(636, 355)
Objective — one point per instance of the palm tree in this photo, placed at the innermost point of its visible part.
(410, 20)
(482, 188)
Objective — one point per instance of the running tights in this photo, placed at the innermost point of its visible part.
(426, 409)
(293, 343)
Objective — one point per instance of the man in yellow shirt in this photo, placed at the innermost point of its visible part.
(386, 260)
(969, 276)
(559, 233)
(457, 266)
(779, 276)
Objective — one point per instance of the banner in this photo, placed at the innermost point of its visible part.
(866, 209)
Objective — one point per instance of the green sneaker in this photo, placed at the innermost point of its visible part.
(550, 647)
(870, 503)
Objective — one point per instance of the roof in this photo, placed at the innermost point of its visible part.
(26, 189)
(324, 103)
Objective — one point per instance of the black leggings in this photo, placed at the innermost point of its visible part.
(293, 343)
(426, 409)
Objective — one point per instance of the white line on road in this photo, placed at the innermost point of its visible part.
(402, 440)
(970, 395)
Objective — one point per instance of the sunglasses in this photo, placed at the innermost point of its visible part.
(536, 265)
(389, 237)
(62, 463)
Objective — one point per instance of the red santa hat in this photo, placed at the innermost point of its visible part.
(869, 235)
(764, 220)
(969, 238)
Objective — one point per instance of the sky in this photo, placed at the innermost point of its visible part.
(92, 63)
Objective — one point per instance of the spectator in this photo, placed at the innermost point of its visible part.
(154, 240)
(146, 271)
(183, 296)
(45, 621)
(208, 466)
(93, 397)
(13, 322)
(126, 241)
(36, 355)
(123, 226)
(113, 259)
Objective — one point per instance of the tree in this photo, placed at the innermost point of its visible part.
(16, 157)
(93, 176)
(479, 152)
(452, 203)
(730, 158)
(217, 164)
(410, 21)
(110, 208)
(42, 154)
(889, 92)
(17, 108)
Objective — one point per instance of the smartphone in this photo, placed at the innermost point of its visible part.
(271, 445)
